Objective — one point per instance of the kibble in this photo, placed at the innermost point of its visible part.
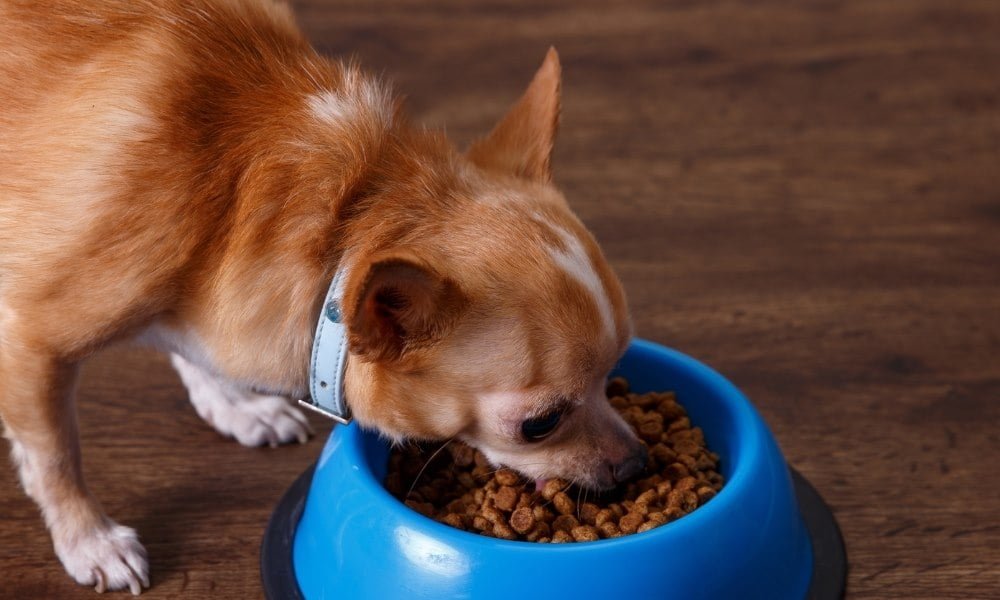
(506, 498)
(563, 503)
(585, 533)
(468, 493)
(561, 537)
(522, 520)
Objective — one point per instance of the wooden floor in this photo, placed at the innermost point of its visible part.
(806, 195)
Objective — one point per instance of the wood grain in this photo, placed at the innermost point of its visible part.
(805, 195)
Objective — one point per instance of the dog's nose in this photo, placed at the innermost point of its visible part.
(631, 466)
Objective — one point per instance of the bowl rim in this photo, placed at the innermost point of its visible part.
(280, 582)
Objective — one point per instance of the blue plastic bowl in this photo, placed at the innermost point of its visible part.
(354, 540)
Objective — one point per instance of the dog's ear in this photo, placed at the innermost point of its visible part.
(521, 144)
(400, 304)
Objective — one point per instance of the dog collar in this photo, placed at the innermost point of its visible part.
(329, 359)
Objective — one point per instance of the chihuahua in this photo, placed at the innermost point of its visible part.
(191, 174)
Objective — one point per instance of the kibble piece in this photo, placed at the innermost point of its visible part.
(540, 530)
(670, 410)
(648, 483)
(676, 471)
(657, 517)
(617, 386)
(685, 483)
(492, 514)
(672, 513)
(504, 531)
(553, 487)
(618, 402)
(705, 494)
(561, 537)
(481, 474)
(507, 477)
(424, 508)
(461, 454)
(610, 529)
(687, 460)
(630, 522)
(639, 508)
(542, 513)
(585, 533)
(646, 497)
(603, 516)
(650, 431)
(564, 504)
(454, 519)
(678, 424)
(523, 520)
(505, 498)
(685, 500)
(430, 493)
(662, 453)
(466, 480)
(704, 463)
(689, 501)
(641, 400)
(647, 526)
(481, 523)
(564, 523)
(588, 513)
(633, 415)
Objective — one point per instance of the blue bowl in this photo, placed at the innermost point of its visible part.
(355, 540)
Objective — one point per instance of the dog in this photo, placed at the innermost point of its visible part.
(192, 175)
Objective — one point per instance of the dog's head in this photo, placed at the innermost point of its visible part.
(492, 317)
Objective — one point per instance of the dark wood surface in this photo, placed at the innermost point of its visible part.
(805, 195)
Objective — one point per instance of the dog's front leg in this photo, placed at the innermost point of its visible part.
(39, 415)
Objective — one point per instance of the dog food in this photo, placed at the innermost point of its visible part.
(460, 488)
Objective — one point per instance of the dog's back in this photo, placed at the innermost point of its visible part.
(133, 135)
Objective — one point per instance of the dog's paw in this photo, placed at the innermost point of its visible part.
(108, 557)
(259, 420)
(253, 419)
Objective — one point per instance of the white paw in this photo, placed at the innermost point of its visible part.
(109, 557)
(257, 420)
(253, 419)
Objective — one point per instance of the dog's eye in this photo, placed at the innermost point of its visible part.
(540, 427)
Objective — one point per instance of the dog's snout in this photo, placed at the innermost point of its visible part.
(633, 464)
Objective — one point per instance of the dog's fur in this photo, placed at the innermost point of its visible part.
(192, 173)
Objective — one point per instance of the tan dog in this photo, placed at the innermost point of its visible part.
(192, 173)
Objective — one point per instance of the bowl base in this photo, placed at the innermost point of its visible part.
(829, 577)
